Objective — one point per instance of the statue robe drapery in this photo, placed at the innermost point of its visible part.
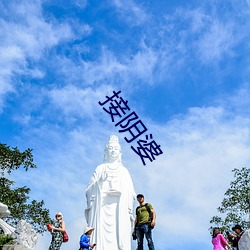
(110, 198)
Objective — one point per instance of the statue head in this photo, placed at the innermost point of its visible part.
(4, 212)
(113, 150)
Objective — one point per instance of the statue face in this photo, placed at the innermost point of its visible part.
(113, 150)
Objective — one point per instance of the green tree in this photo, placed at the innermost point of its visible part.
(17, 199)
(235, 207)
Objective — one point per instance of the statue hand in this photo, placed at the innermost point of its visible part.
(89, 205)
(104, 175)
(132, 217)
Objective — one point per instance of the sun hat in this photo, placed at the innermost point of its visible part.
(87, 229)
(59, 213)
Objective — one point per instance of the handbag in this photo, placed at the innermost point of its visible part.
(134, 235)
(65, 236)
(49, 227)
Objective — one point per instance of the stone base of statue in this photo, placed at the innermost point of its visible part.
(244, 242)
(25, 236)
(13, 247)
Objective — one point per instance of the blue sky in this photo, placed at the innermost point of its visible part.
(183, 67)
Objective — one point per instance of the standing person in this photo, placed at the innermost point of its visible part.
(142, 225)
(56, 231)
(218, 240)
(85, 238)
(239, 231)
(110, 198)
(231, 239)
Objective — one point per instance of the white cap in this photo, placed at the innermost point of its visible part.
(59, 213)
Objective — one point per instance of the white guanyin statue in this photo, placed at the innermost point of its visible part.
(23, 234)
(4, 212)
(110, 197)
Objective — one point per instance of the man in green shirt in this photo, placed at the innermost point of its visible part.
(144, 223)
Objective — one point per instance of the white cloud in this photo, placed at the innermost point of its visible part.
(79, 102)
(198, 19)
(139, 66)
(199, 33)
(80, 3)
(10, 58)
(31, 33)
(188, 181)
(217, 42)
(25, 35)
(143, 63)
(185, 184)
(240, 101)
(131, 12)
(105, 69)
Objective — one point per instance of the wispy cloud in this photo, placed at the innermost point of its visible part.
(23, 38)
(117, 70)
(217, 42)
(131, 12)
(80, 3)
(200, 150)
(79, 102)
(57, 62)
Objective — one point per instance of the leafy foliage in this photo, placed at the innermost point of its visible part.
(236, 204)
(6, 240)
(11, 159)
(17, 199)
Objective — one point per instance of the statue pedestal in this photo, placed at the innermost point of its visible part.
(13, 247)
(244, 242)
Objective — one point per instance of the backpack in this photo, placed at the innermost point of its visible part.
(149, 212)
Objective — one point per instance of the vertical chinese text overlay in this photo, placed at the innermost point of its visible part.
(128, 121)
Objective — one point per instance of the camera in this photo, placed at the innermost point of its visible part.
(134, 235)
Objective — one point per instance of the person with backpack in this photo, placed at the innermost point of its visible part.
(144, 223)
